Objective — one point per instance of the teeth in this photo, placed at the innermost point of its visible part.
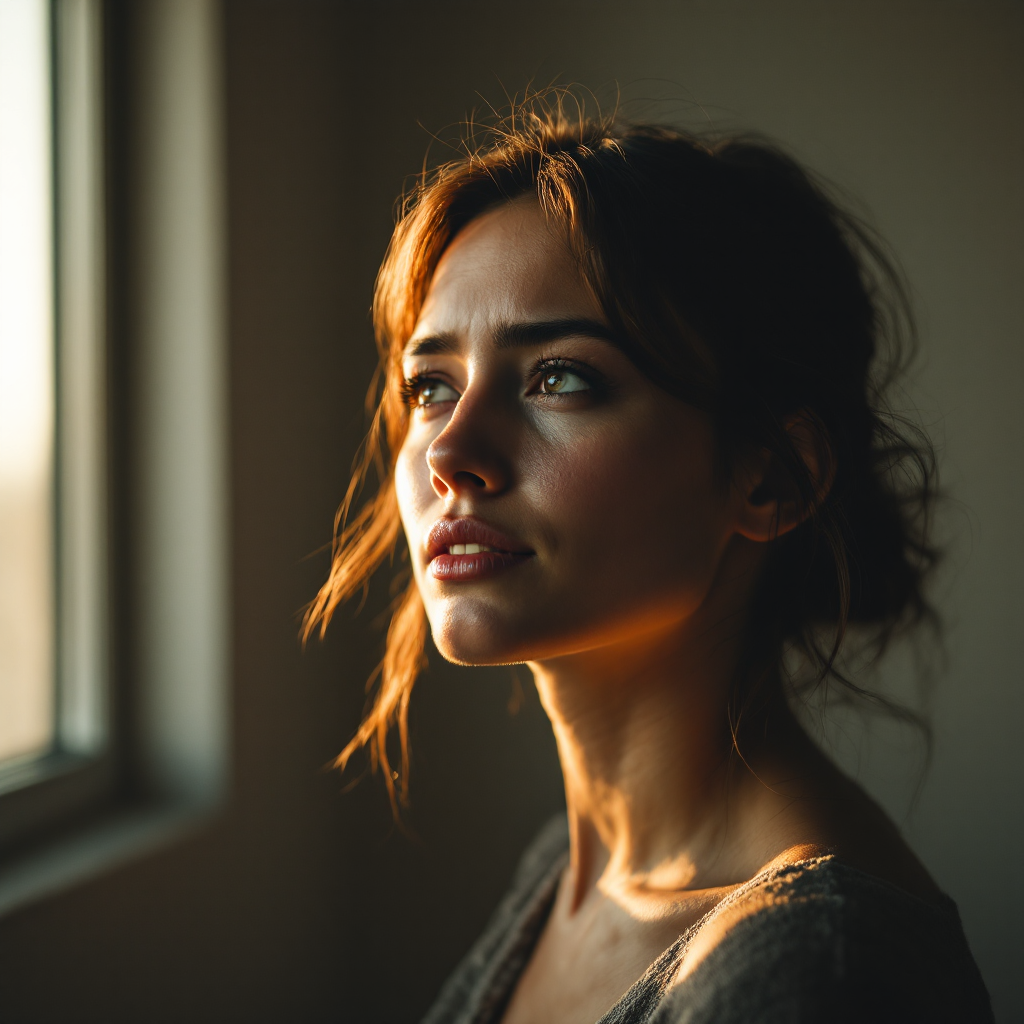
(468, 549)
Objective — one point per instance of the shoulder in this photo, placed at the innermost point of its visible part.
(817, 940)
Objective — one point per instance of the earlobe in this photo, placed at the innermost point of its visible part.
(774, 500)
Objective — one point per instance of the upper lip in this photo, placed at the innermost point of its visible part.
(469, 530)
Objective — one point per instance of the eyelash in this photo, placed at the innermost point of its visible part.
(410, 387)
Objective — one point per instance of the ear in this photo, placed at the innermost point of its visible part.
(772, 501)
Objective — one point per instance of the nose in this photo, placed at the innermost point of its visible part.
(470, 457)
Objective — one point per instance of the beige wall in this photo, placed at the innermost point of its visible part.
(301, 903)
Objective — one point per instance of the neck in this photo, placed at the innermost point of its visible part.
(656, 795)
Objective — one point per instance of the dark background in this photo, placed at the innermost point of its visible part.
(301, 902)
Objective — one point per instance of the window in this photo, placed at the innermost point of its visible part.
(97, 763)
(27, 697)
(53, 679)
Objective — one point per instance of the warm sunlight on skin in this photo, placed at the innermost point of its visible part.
(610, 485)
(564, 511)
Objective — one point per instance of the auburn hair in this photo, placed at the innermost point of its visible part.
(736, 283)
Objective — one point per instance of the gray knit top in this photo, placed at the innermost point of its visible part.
(828, 945)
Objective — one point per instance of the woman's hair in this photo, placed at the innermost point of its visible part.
(734, 282)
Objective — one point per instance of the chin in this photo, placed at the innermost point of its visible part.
(476, 635)
(474, 630)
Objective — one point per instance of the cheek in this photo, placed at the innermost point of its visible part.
(635, 505)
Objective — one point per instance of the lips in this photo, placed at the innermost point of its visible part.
(466, 549)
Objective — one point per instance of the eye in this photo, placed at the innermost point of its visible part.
(421, 392)
(561, 382)
(433, 391)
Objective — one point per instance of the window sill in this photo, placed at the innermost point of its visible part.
(106, 842)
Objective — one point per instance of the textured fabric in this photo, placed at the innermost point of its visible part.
(824, 944)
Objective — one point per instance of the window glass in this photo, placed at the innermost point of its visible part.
(26, 382)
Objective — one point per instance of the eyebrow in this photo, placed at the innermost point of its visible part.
(518, 335)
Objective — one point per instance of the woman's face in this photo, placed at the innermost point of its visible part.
(555, 500)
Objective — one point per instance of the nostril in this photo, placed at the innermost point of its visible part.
(470, 479)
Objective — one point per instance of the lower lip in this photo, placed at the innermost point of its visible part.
(463, 568)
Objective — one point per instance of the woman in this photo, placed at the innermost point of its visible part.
(631, 436)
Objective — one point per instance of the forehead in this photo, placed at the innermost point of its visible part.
(505, 265)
